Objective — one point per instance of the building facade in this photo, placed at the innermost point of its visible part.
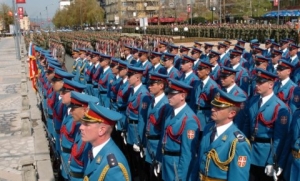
(25, 22)
(64, 3)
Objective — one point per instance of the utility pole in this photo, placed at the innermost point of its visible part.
(278, 12)
(16, 30)
(47, 15)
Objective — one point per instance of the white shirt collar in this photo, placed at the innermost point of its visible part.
(98, 148)
(227, 50)
(285, 50)
(265, 99)
(137, 60)
(169, 69)
(235, 66)
(177, 110)
(77, 59)
(128, 56)
(215, 66)
(137, 87)
(59, 97)
(117, 76)
(125, 80)
(221, 56)
(275, 66)
(188, 74)
(205, 81)
(293, 57)
(283, 82)
(155, 66)
(105, 69)
(222, 129)
(158, 98)
(145, 62)
(229, 88)
(69, 109)
(97, 64)
(195, 62)
(90, 63)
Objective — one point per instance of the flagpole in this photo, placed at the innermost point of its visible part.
(16, 31)
(278, 12)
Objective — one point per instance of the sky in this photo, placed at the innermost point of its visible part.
(37, 8)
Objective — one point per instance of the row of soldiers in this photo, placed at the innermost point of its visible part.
(161, 133)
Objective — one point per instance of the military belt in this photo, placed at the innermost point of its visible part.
(89, 82)
(50, 116)
(152, 137)
(131, 121)
(206, 178)
(95, 86)
(102, 92)
(113, 100)
(77, 174)
(65, 150)
(262, 140)
(171, 153)
(57, 131)
(203, 108)
(122, 108)
(296, 153)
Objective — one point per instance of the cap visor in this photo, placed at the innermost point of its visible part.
(219, 104)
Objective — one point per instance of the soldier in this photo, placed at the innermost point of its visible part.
(196, 53)
(188, 76)
(242, 75)
(257, 51)
(69, 127)
(197, 45)
(104, 79)
(155, 121)
(135, 55)
(163, 47)
(136, 113)
(275, 46)
(95, 73)
(267, 51)
(284, 45)
(241, 43)
(276, 56)
(204, 92)
(106, 161)
(127, 53)
(267, 125)
(157, 67)
(77, 61)
(172, 72)
(213, 59)
(207, 49)
(228, 44)
(224, 59)
(224, 151)
(180, 137)
(243, 61)
(174, 50)
(114, 84)
(145, 64)
(85, 63)
(293, 50)
(284, 86)
(183, 50)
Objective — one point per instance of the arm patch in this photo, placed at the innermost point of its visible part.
(239, 136)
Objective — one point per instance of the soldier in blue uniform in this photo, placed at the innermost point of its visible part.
(204, 92)
(136, 113)
(127, 53)
(114, 84)
(77, 62)
(243, 61)
(157, 67)
(155, 120)
(275, 46)
(228, 44)
(267, 52)
(284, 86)
(105, 161)
(183, 50)
(207, 48)
(213, 59)
(224, 151)
(95, 73)
(224, 59)
(163, 47)
(276, 56)
(174, 51)
(241, 43)
(293, 50)
(188, 76)
(242, 74)
(104, 79)
(195, 54)
(172, 72)
(69, 127)
(84, 65)
(135, 55)
(284, 46)
(145, 64)
(88, 73)
(197, 45)
(267, 127)
(180, 138)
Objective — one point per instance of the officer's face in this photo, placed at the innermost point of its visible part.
(202, 72)
(126, 51)
(263, 88)
(123, 73)
(104, 63)
(65, 97)
(57, 85)
(155, 60)
(168, 63)
(50, 76)
(219, 115)
(293, 51)
(234, 61)
(82, 55)
(174, 51)
(276, 59)
(227, 81)
(175, 100)
(186, 66)
(221, 50)
(195, 55)
(77, 113)
(284, 46)
(155, 87)
(207, 49)
(75, 55)
(283, 74)
(90, 132)
(161, 48)
(133, 79)
(268, 45)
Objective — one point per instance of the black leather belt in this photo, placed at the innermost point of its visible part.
(203, 108)
(262, 140)
(57, 131)
(95, 86)
(65, 150)
(89, 82)
(171, 153)
(103, 92)
(131, 121)
(50, 116)
(152, 137)
(113, 100)
(122, 108)
(76, 174)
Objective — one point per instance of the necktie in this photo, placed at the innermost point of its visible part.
(213, 134)
(183, 77)
(279, 86)
(259, 102)
(225, 90)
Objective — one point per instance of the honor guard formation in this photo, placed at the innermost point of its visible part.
(148, 110)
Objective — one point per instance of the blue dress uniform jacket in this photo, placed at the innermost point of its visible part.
(189, 80)
(79, 157)
(77, 69)
(179, 144)
(97, 71)
(285, 92)
(147, 66)
(137, 115)
(242, 78)
(50, 102)
(237, 157)
(103, 83)
(159, 69)
(88, 79)
(204, 94)
(204, 58)
(286, 54)
(109, 165)
(224, 60)
(174, 73)
(113, 88)
(154, 127)
(215, 73)
(195, 67)
(82, 71)
(267, 53)
(177, 62)
(295, 61)
(122, 102)
(270, 121)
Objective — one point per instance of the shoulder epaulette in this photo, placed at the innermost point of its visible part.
(239, 136)
(111, 160)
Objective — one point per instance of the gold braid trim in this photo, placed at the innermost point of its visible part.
(82, 67)
(106, 168)
(75, 65)
(93, 118)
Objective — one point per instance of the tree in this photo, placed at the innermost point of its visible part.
(6, 15)
(78, 13)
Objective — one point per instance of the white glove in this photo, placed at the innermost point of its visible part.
(157, 169)
(276, 174)
(269, 170)
(136, 148)
(116, 126)
(124, 138)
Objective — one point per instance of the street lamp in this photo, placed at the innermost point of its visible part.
(212, 14)
(144, 19)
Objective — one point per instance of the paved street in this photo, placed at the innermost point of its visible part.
(12, 145)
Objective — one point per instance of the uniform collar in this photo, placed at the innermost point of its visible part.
(137, 88)
(125, 80)
(169, 69)
(105, 69)
(158, 98)
(177, 110)
(283, 82)
(98, 148)
(235, 66)
(222, 129)
(230, 88)
(265, 99)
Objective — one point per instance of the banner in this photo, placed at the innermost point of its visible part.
(20, 11)
(33, 70)
(20, 1)
(275, 3)
(189, 8)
